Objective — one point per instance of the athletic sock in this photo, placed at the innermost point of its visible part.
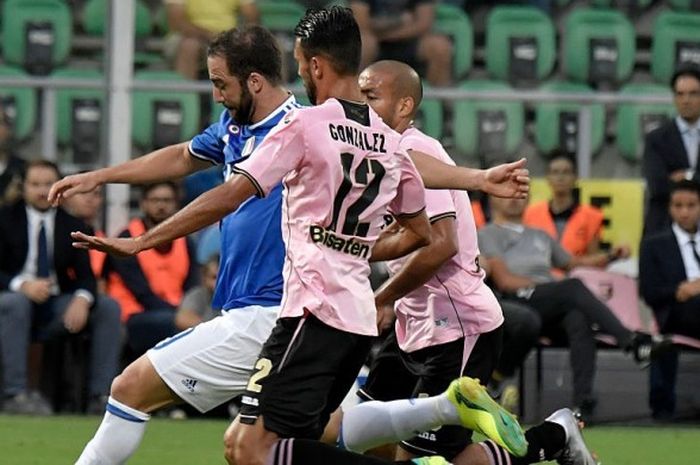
(544, 442)
(308, 452)
(117, 437)
(375, 423)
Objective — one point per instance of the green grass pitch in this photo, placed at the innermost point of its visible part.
(59, 440)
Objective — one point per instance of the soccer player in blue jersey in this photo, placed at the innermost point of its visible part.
(211, 363)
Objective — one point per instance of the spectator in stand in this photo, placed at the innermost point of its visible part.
(402, 30)
(46, 285)
(520, 260)
(577, 227)
(11, 166)
(671, 151)
(194, 23)
(88, 207)
(196, 305)
(150, 286)
(669, 278)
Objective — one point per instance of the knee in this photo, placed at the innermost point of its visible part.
(126, 384)
(189, 46)
(439, 48)
(15, 303)
(230, 444)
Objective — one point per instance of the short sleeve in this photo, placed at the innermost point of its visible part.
(209, 144)
(560, 257)
(488, 243)
(410, 195)
(277, 155)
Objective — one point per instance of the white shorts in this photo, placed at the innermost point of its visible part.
(210, 364)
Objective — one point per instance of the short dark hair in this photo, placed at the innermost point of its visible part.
(250, 49)
(687, 70)
(41, 163)
(685, 185)
(559, 154)
(147, 188)
(334, 34)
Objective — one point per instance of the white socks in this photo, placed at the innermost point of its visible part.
(118, 436)
(375, 423)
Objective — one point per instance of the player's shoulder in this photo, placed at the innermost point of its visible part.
(415, 139)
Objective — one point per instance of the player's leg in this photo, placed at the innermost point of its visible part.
(557, 438)
(304, 371)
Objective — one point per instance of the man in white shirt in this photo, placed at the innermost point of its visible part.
(669, 279)
(47, 289)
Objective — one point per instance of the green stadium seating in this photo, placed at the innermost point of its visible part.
(603, 34)
(454, 22)
(685, 4)
(430, 117)
(280, 15)
(144, 109)
(676, 40)
(520, 44)
(552, 119)
(635, 120)
(39, 22)
(487, 128)
(623, 4)
(65, 97)
(25, 102)
(95, 18)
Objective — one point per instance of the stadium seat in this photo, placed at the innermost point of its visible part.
(685, 5)
(84, 107)
(94, 23)
(36, 35)
(556, 123)
(488, 128)
(161, 118)
(676, 40)
(622, 4)
(22, 101)
(280, 15)
(430, 117)
(599, 46)
(454, 22)
(635, 120)
(520, 44)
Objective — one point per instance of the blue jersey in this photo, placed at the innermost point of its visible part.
(252, 250)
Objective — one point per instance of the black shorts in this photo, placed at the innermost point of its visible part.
(395, 374)
(304, 371)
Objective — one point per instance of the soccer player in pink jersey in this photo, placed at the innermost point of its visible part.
(448, 320)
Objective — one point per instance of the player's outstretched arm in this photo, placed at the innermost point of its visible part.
(203, 211)
(414, 233)
(170, 162)
(510, 180)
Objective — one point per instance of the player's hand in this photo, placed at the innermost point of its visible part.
(119, 246)
(76, 315)
(385, 317)
(37, 290)
(509, 180)
(71, 185)
(685, 291)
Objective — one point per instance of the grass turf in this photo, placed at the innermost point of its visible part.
(59, 440)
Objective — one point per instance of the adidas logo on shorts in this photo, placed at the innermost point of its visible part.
(189, 384)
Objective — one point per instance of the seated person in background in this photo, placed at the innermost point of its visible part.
(194, 23)
(150, 286)
(196, 305)
(47, 289)
(520, 260)
(669, 278)
(88, 207)
(11, 166)
(575, 226)
(402, 30)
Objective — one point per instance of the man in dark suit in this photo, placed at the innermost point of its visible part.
(669, 278)
(671, 151)
(47, 288)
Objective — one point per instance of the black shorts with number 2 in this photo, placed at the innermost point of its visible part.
(304, 371)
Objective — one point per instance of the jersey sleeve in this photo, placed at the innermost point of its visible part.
(410, 194)
(439, 203)
(209, 145)
(277, 155)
